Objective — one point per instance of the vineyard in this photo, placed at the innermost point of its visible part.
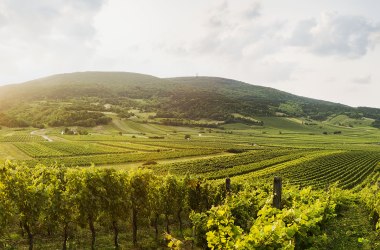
(172, 185)
(77, 208)
(212, 155)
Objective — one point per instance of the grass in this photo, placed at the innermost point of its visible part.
(10, 152)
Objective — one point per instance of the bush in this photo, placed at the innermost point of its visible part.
(156, 137)
(236, 150)
(149, 163)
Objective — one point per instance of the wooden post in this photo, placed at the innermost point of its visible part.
(228, 185)
(277, 192)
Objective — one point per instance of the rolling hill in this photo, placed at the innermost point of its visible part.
(170, 98)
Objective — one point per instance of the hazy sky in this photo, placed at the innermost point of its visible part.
(322, 49)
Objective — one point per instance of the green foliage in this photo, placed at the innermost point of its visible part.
(223, 234)
(52, 114)
(297, 225)
(5, 209)
(291, 108)
(27, 191)
(376, 124)
(6, 120)
(62, 200)
(235, 150)
(370, 195)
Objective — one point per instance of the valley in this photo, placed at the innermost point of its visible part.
(153, 139)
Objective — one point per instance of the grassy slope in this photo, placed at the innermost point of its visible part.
(219, 91)
(345, 121)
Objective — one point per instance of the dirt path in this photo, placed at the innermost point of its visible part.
(41, 133)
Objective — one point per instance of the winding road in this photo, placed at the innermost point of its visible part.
(41, 133)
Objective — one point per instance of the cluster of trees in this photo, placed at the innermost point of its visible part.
(68, 131)
(188, 123)
(291, 108)
(373, 113)
(376, 123)
(71, 113)
(12, 122)
(78, 118)
(244, 120)
(124, 113)
(52, 116)
(57, 201)
(202, 104)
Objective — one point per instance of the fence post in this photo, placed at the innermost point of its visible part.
(228, 185)
(277, 192)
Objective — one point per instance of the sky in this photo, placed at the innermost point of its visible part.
(324, 49)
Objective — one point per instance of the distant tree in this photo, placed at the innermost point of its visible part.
(82, 132)
(376, 123)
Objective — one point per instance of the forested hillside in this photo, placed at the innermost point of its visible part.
(171, 98)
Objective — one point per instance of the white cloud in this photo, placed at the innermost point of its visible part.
(302, 35)
(45, 36)
(300, 47)
(254, 11)
(338, 35)
(362, 79)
